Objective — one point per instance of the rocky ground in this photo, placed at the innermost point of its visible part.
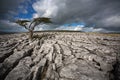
(60, 56)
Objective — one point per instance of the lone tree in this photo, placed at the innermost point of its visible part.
(30, 25)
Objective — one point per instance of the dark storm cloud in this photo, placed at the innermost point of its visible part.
(8, 26)
(102, 13)
(10, 8)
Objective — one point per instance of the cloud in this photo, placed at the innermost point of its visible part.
(7, 26)
(42, 27)
(75, 28)
(9, 12)
(103, 13)
(82, 28)
(10, 8)
(111, 23)
(92, 29)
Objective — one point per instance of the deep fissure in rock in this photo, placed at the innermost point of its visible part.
(2, 77)
(116, 70)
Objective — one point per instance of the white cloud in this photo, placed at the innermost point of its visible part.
(75, 28)
(43, 27)
(103, 13)
(112, 21)
(49, 8)
(87, 11)
(82, 28)
(35, 15)
(45, 8)
(78, 28)
(92, 29)
(8, 26)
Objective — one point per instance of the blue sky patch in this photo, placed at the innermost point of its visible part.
(74, 24)
(27, 12)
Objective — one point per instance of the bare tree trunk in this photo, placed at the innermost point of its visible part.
(30, 34)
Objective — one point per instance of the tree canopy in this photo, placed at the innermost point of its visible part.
(31, 24)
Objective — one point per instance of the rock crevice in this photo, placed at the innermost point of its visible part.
(64, 56)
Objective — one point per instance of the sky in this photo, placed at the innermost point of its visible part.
(78, 15)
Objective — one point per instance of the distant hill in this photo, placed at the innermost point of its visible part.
(58, 31)
(1, 32)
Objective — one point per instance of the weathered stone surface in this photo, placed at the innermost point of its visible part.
(21, 70)
(39, 70)
(60, 56)
(5, 54)
(66, 50)
(68, 71)
(58, 60)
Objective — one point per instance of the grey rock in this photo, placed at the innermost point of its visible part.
(21, 70)
(66, 50)
(67, 71)
(39, 70)
(58, 60)
(60, 56)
